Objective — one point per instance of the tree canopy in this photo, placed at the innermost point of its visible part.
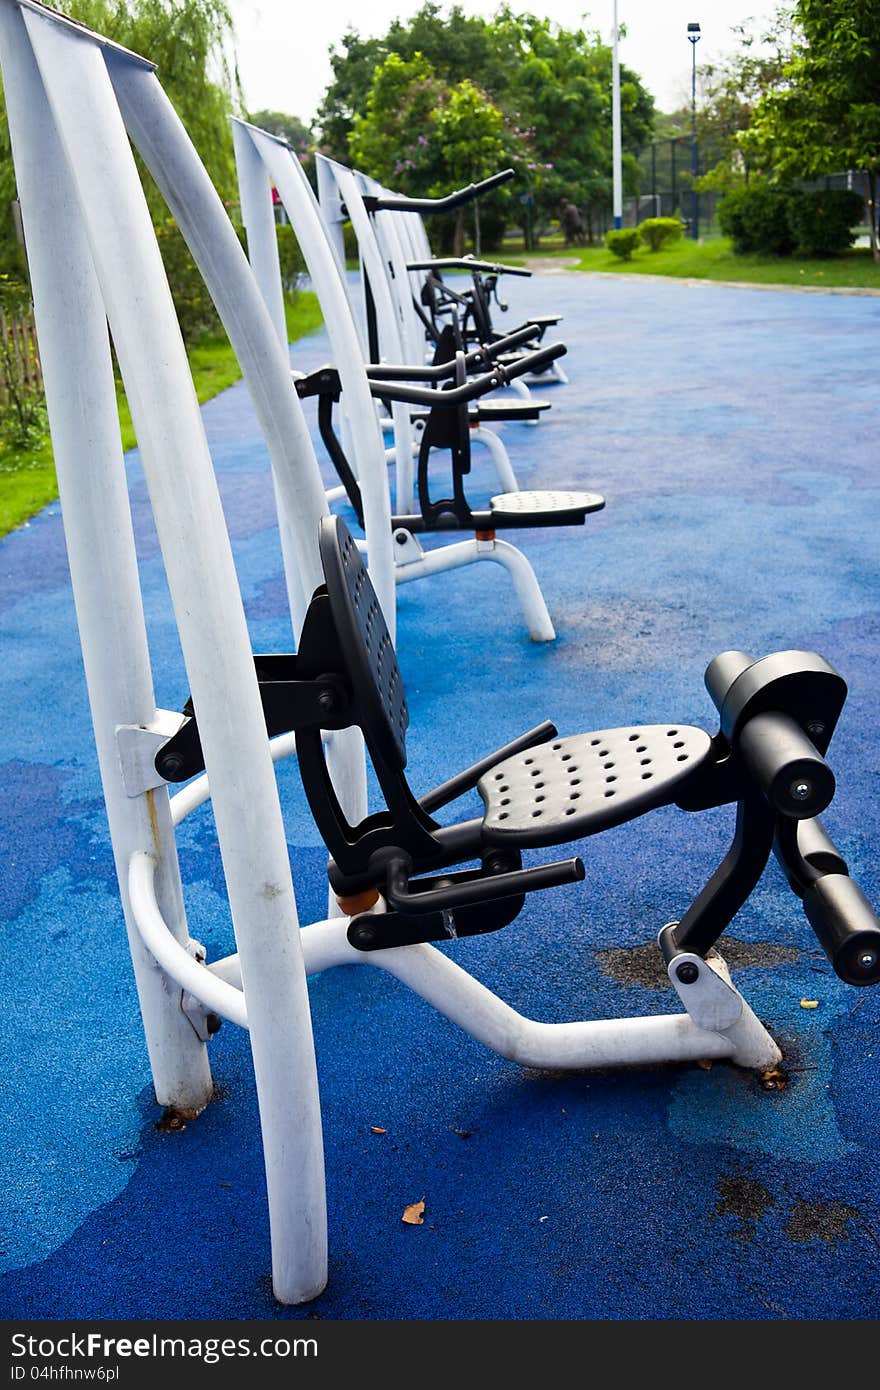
(189, 41)
(824, 116)
(548, 87)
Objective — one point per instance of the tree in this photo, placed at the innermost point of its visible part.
(425, 136)
(552, 85)
(290, 128)
(187, 39)
(826, 116)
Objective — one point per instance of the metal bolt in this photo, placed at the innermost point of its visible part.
(170, 766)
(401, 537)
(327, 701)
(213, 1023)
(815, 728)
(362, 937)
(867, 959)
(802, 791)
(687, 973)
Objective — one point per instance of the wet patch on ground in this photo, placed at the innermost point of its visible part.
(644, 965)
(746, 1200)
(826, 1221)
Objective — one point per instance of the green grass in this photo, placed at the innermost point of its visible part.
(714, 260)
(27, 476)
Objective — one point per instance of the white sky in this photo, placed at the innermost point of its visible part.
(283, 44)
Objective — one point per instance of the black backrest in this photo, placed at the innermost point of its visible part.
(366, 644)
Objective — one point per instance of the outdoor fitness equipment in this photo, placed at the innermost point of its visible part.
(777, 716)
(94, 257)
(447, 417)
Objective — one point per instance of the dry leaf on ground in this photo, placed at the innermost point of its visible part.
(413, 1214)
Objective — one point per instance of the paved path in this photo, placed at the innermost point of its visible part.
(735, 436)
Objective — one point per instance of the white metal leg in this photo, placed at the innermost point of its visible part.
(595, 1043)
(214, 639)
(80, 391)
(450, 557)
(500, 457)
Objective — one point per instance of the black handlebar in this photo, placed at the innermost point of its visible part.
(441, 371)
(464, 781)
(468, 263)
(469, 390)
(393, 203)
(452, 894)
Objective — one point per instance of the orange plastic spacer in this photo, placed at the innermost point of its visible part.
(359, 902)
(485, 535)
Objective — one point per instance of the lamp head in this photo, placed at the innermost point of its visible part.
(693, 33)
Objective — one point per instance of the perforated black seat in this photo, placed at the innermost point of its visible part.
(578, 786)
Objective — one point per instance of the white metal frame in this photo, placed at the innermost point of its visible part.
(94, 257)
(260, 157)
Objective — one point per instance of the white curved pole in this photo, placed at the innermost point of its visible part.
(214, 639)
(81, 397)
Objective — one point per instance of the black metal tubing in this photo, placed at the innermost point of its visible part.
(470, 893)
(465, 781)
(736, 876)
(430, 205)
(785, 764)
(466, 263)
(442, 371)
(470, 390)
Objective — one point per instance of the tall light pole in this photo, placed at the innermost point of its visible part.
(616, 147)
(693, 32)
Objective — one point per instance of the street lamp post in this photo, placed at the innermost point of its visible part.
(616, 142)
(693, 33)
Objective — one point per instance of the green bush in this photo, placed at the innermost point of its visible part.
(192, 303)
(292, 262)
(622, 242)
(756, 219)
(822, 222)
(657, 232)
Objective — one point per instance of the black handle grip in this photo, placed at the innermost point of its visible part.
(779, 756)
(846, 926)
(392, 203)
(479, 890)
(468, 263)
(533, 361)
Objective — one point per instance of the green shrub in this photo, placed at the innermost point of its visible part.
(756, 219)
(822, 222)
(657, 232)
(192, 303)
(622, 242)
(292, 261)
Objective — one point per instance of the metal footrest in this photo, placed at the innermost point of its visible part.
(578, 786)
(543, 508)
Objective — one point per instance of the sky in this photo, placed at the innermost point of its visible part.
(283, 45)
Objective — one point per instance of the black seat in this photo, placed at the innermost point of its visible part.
(577, 786)
(777, 717)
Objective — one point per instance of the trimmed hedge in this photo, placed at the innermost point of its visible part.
(657, 232)
(767, 220)
(622, 242)
(756, 220)
(822, 222)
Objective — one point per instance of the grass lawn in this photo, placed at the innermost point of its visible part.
(27, 477)
(714, 260)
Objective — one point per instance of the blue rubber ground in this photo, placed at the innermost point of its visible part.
(734, 434)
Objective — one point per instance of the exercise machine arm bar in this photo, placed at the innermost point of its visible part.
(465, 781)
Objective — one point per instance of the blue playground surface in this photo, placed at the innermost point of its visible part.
(734, 433)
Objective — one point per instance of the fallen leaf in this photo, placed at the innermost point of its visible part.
(462, 1133)
(413, 1214)
(809, 1003)
(377, 1129)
